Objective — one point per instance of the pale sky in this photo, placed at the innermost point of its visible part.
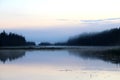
(50, 14)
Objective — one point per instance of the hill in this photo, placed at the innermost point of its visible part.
(105, 38)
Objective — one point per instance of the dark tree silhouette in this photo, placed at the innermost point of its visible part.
(13, 39)
(30, 43)
(105, 38)
(45, 44)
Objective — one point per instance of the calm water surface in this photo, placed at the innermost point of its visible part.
(59, 65)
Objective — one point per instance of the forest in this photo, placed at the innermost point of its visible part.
(105, 38)
(13, 39)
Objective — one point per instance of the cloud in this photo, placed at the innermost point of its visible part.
(91, 21)
(112, 19)
(100, 20)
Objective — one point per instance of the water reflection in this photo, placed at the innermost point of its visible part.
(59, 65)
(11, 55)
(109, 55)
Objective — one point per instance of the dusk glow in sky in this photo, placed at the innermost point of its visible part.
(69, 16)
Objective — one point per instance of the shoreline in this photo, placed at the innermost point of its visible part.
(58, 47)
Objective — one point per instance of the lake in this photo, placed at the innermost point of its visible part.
(66, 64)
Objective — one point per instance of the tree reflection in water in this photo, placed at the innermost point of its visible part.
(108, 55)
(11, 55)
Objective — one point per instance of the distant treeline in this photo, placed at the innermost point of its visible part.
(13, 39)
(105, 38)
